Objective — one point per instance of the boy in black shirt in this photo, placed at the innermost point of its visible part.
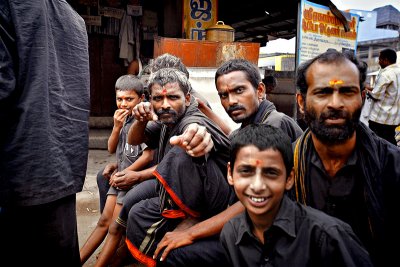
(274, 230)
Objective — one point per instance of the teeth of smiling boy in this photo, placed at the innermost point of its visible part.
(257, 199)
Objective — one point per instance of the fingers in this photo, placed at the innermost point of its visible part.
(162, 245)
(144, 112)
(118, 178)
(119, 116)
(203, 148)
(165, 253)
(121, 113)
(158, 249)
(119, 174)
(195, 140)
(190, 133)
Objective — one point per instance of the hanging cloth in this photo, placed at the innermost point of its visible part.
(126, 39)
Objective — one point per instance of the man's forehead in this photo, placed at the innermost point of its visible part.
(234, 75)
(323, 68)
(233, 80)
(168, 87)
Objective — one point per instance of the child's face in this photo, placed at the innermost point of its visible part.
(260, 180)
(127, 99)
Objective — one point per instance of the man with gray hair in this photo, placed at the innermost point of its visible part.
(199, 194)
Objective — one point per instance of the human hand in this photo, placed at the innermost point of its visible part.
(144, 112)
(172, 240)
(109, 169)
(124, 180)
(201, 105)
(119, 117)
(195, 140)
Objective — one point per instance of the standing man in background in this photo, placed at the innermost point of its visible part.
(384, 116)
(44, 110)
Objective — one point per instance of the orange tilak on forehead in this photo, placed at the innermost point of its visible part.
(164, 91)
(335, 82)
(256, 162)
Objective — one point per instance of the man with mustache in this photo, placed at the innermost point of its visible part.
(188, 187)
(241, 92)
(240, 89)
(341, 166)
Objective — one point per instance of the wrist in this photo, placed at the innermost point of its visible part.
(117, 126)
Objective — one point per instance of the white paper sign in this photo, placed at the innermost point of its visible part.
(134, 10)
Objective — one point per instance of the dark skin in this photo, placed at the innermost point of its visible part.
(234, 89)
(195, 139)
(322, 95)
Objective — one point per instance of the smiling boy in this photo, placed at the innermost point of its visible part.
(274, 230)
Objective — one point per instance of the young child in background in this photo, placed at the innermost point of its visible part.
(129, 92)
(274, 230)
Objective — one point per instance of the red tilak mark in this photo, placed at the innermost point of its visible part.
(164, 91)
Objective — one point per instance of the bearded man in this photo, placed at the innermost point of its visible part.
(188, 187)
(341, 166)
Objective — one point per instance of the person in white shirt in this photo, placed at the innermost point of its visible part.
(384, 116)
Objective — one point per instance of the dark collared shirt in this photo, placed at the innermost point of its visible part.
(341, 196)
(299, 236)
(267, 114)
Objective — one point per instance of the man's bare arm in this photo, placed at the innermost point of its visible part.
(143, 113)
(214, 117)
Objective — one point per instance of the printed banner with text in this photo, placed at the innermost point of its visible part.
(198, 15)
(321, 30)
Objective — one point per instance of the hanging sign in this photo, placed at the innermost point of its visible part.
(198, 15)
(321, 30)
(92, 20)
(112, 12)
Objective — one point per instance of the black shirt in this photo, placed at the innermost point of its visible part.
(340, 196)
(299, 236)
(44, 102)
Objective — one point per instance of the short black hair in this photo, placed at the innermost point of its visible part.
(270, 80)
(263, 137)
(330, 56)
(129, 82)
(389, 54)
(251, 70)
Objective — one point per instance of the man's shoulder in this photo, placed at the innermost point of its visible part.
(319, 219)
(236, 224)
(274, 116)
